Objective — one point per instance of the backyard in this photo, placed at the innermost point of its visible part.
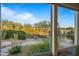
(25, 31)
(17, 39)
(29, 46)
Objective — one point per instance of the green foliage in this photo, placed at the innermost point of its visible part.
(22, 35)
(9, 34)
(42, 24)
(38, 48)
(14, 34)
(12, 28)
(70, 37)
(15, 49)
(3, 34)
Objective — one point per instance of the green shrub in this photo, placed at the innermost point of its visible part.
(70, 36)
(15, 49)
(10, 34)
(38, 48)
(22, 35)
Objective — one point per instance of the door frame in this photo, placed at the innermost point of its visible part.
(54, 29)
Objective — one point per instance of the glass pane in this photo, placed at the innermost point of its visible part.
(25, 29)
(65, 30)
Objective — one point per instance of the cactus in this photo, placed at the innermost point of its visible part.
(16, 35)
(3, 34)
(15, 38)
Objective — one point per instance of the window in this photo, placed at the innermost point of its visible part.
(66, 31)
(26, 29)
(36, 29)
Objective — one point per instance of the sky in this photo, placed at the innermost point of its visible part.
(25, 13)
(66, 17)
(33, 13)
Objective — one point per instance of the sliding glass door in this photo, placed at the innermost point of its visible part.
(66, 31)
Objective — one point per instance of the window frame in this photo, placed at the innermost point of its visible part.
(54, 29)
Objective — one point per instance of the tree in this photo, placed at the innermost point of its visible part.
(42, 24)
(43, 27)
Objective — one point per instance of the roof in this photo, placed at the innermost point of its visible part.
(71, 5)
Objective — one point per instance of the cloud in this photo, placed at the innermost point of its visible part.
(6, 13)
(23, 17)
(26, 18)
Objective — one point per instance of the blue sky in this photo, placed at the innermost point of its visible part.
(25, 13)
(33, 13)
(66, 17)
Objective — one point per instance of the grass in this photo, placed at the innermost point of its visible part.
(15, 49)
(41, 45)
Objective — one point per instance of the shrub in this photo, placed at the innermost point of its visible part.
(10, 34)
(38, 48)
(22, 35)
(70, 37)
(15, 49)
